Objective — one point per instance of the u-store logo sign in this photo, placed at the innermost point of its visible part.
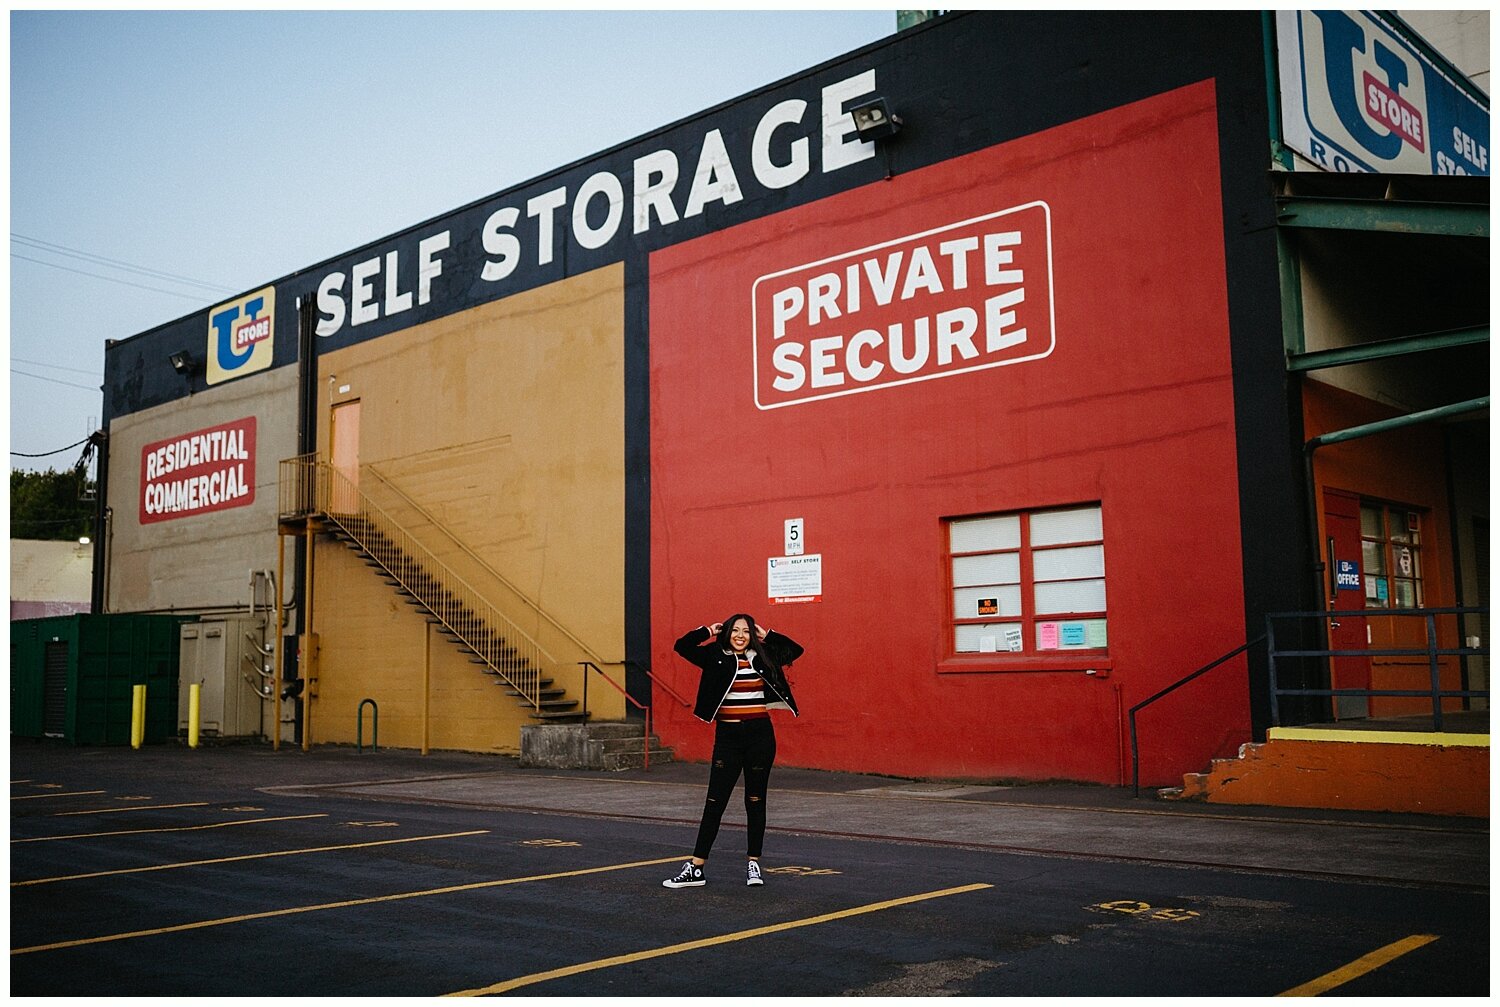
(946, 301)
(1357, 96)
(242, 336)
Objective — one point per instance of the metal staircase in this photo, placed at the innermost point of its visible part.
(312, 490)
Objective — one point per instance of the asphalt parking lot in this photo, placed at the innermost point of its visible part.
(242, 871)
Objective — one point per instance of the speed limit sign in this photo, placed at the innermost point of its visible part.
(794, 537)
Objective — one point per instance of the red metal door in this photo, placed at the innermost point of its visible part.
(1346, 593)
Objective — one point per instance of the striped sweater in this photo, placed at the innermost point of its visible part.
(747, 696)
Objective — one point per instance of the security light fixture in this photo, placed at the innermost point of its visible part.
(184, 364)
(874, 120)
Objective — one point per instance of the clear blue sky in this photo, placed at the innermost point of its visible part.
(223, 150)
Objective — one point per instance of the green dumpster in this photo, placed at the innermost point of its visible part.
(71, 676)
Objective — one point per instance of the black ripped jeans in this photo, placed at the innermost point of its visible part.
(748, 746)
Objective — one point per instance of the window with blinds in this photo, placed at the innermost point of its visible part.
(1029, 583)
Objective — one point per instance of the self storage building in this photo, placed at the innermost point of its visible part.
(985, 361)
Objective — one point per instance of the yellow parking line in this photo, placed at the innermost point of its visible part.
(113, 811)
(1360, 966)
(269, 914)
(604, 963)
(176, 828)
(245, 856)
(71, 793)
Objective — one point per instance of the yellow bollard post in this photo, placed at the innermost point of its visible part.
(137, 716)
(195, 697)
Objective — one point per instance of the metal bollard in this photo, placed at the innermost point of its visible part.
(359, 726)
(137, 716)
(195, 697)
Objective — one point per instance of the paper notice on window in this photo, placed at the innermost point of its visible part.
(1013, 641)
(1097, 635)
(1046, 633)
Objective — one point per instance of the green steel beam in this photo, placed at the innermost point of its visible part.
(1289, 265)
(1397, 422)
(1448, 219)
(1362, 352)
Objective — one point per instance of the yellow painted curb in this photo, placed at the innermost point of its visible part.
(1444, 740)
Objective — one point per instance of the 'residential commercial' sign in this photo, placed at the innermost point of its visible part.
(207, 470)
(956, 298)
(1358, 96)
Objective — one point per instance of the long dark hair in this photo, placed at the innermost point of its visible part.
(762, 652)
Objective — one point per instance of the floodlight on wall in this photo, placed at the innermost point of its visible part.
(184, 364)
(874, 120)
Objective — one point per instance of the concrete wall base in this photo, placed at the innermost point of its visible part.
(555, 746)
(1423, 776)
(609, 745)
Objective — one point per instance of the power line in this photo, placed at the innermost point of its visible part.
(76, 253)
(55, 381)
(55, 367)
(42, 262)
(59, 451)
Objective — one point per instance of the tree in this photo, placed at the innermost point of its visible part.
(51, 505)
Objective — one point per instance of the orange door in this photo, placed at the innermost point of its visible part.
(343, 439)
(1346, 593)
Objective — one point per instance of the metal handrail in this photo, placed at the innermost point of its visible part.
(1135, 752)
(386, 481)
(1431, 651)
(658, 681)
(296, 487)
(311, 486)
(646, 740)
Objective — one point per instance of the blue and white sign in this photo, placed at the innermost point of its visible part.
(1358, 96)
(1347, 575)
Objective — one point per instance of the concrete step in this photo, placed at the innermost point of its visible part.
(1435, 774)
(609, 745)
(602, 729)
(617, 761)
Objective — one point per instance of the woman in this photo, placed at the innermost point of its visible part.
(742, 679)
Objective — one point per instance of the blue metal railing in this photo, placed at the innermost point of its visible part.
(1431, 651)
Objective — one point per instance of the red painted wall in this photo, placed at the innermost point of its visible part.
(1132, 407)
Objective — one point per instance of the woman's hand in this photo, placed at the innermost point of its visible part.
(760, 631)
(714, 629)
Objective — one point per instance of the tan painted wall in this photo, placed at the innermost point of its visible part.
(496, 438)
(372, 647)
(201, 562)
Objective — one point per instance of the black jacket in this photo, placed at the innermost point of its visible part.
(718, 666)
